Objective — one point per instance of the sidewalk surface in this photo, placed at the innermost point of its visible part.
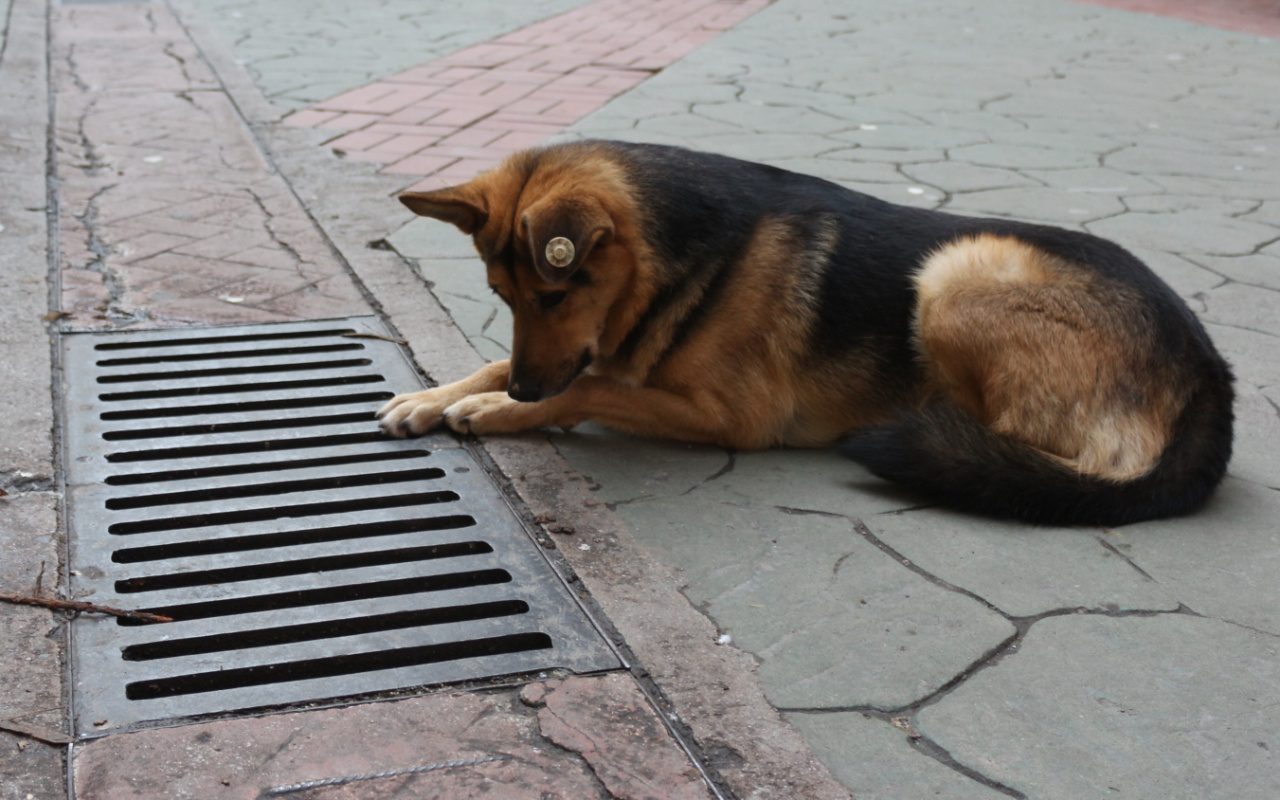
(795, 628)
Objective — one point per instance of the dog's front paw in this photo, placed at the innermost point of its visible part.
(414, 413)
(490, 412)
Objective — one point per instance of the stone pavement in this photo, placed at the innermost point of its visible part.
(775, 605)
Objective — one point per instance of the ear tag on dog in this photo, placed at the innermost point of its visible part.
(560, 252)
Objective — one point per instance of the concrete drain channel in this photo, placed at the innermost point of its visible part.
(234, 479)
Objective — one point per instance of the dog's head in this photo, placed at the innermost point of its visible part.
(552, 227)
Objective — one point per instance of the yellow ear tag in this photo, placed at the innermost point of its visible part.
(560, 252)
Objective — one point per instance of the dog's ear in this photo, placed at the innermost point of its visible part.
(561, 233)
(465, 206)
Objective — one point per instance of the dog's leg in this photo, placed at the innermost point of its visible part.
(419, 412)
(645, 411)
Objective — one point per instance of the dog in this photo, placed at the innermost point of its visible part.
(994, 366)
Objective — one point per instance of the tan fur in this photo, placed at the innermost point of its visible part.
(1044, 353)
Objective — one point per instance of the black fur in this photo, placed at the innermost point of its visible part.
(703, 210)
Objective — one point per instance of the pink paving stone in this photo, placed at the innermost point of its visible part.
(487, 55)
(518, 140)
(602, 718)
(419, 165)
(413, 115)
(426, 74)
(1256, 17)
(519, 89)
(379, 98)
(350, 122)
(398, 146)
(360, 140)
(393, 129)
(475, 136)
(310, 118)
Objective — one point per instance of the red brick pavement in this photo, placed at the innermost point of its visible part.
(168, 212)
(1256, 17)
(452, 118)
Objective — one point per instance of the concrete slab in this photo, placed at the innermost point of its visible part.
(878, 762)
(1158, 707)
(1020, 570)
(246, 757)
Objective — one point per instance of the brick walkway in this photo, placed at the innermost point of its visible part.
(454, 117)
(1256, 17)
(169, 214)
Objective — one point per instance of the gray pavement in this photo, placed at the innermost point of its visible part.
(786, 604)
(1043, 663)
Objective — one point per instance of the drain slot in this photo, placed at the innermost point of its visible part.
(257, 572)
(302, 554)
(239, 388)
(240, 448)
(267, 541)
(337, 665)
(228, 354)
(235, 427)
(327, 595)
(269, 466)
(143, 377)
(255, 405)
(292, 634)
(148, 344)
(280, 512)
(278, 487)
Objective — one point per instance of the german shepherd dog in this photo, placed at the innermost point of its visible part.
(994, 366)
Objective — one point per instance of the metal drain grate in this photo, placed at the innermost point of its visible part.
(235, 480)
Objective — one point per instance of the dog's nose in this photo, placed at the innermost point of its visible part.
(525, 391)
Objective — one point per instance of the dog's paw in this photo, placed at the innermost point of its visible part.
(490, 412)
(414, 413)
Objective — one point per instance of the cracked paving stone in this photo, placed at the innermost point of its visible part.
(1186, 277)
(1253, 457)
(1221, 562)
(1238, 304)
(1023, 571)
(1041, 204)
(1189, 232)
(1094, 180)
(953, 176)
(834, 621)
(652, 468)
(1013, 156)
(876, 761)
(149, 167)
(603, 718)
(1153, 708)
(239, 759)
(1256, 270)
(841, 170)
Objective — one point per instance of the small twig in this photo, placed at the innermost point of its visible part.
(40, 733)
(72, 605)
(374, 336)
(302, 787)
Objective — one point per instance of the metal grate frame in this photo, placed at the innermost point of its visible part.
(235, 480)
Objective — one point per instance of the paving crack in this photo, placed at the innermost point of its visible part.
(74, 70)
(267, 219)
(717, 475)
(182, 62)
(4, 35)
(1115, 551)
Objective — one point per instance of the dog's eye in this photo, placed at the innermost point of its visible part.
(550, 300)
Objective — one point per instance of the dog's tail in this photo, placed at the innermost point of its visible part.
(947, 455)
